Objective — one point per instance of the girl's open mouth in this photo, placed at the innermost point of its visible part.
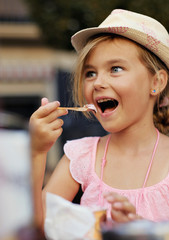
(107, 104)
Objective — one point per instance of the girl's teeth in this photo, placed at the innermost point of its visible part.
(103, 100)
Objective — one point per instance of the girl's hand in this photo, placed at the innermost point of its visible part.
(45, 126)
(121, 209)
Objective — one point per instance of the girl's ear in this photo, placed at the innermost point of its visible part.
(159, 82)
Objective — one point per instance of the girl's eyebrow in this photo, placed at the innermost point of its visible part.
(117, 60)
(88, 66)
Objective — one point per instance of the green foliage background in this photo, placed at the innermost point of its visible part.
(60, 19)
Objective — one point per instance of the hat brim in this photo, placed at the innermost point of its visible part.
(80, 39)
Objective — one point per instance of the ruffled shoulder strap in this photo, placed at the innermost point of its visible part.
(82, 154)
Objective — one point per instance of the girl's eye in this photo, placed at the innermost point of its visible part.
(90, 74)
(116, 69)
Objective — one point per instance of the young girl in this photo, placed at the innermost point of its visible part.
(123, 70)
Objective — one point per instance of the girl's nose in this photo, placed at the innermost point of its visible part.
(100, 82)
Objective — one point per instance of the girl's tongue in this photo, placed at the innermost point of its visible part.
(107, 105)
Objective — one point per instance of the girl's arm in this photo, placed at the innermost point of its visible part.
(61, 183)
(45, 128)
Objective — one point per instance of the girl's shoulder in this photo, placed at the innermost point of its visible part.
(84, 145)
(81, 153)
(80, 147)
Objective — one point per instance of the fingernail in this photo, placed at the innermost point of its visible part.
(58, 103)
(118, 204)
(131, 216)
(105, 194)
(109, 198)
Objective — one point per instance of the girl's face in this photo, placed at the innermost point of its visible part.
(118, 84)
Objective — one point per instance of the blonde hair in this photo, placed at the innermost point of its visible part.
(151, 62)
(160, 114)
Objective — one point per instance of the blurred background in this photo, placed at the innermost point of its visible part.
(37, 59)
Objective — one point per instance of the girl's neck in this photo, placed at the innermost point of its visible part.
(134, 139)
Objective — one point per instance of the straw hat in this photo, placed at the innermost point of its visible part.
(137, 27)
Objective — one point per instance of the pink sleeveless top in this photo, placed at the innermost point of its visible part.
(151, 203)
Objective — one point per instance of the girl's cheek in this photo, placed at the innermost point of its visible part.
(88, 92)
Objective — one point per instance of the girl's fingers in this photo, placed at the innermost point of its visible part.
(119, 202)
(122, 210)
(46, 126)
(46, 109)
(46, 130)
(44, 101)
(119, 216)
(112, 197)
(54, 115)
(58, 132)
(124, 206)
(53, 136)
(55, 125)
(132, 216)
(49, 112)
